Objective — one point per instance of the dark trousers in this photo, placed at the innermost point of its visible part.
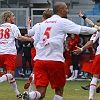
(75, 59)
(24, 61)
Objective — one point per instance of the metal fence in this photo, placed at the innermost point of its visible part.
(20, 13)
(36, 17)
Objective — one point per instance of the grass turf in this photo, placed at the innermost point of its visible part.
(72, 91)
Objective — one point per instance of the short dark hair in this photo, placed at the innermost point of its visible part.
(47, 13)
(98, 20)
(57, 6)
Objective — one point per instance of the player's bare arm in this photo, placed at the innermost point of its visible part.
(23, 38)
(28, 23)
(86, 19)
(87, 45)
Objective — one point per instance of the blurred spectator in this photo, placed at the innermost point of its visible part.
(72, 43)
(68, 62)
(26, 47)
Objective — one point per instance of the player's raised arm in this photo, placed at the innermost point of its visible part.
(86, 19)
(28, 23)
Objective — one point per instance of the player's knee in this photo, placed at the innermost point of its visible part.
(42, 96)
(59, 91)
(11, 72)
(9, 76)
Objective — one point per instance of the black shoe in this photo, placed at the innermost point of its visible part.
(86, 87)
(19, 96)
(98, 90)
(22, 75)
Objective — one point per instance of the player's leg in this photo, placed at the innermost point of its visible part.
(10, 67)
(41, 81)
(24, 61)
(87, 87)
(30, 83)
(93, 84)
(96, 66)
(13, 83)
(5, 77)
(75, 65)
(58, 79)
(58, 93)
(39, 94)
(98, 88)
(30, 64)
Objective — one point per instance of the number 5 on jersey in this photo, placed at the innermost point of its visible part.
(47, 32)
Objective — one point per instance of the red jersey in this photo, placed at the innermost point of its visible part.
(73, 42)
(92, 53)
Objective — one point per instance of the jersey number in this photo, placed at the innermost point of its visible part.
(4, 33)
(47, 33)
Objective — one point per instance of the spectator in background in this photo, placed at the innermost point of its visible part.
(68, 63)
(72, 43)
(26, 47)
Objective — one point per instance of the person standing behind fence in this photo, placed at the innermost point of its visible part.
(68, 63)
(8, 32)
(26, 47)
(72, 43)
(49, 60)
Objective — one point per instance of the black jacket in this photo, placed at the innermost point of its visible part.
(26, 48)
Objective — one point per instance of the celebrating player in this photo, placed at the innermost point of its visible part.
(49, 60)
(8, 32)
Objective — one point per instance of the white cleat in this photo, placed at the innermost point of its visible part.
(70, 78)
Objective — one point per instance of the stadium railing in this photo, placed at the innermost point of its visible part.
(36, 17)
(20, 13)
(36, 13)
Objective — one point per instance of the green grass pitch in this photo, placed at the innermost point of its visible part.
(72, 91)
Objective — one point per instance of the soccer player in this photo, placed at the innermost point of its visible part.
(8, 32)
(49, 60)
(46, 14)
(95, 68)
(96, 26)
(72, 43)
